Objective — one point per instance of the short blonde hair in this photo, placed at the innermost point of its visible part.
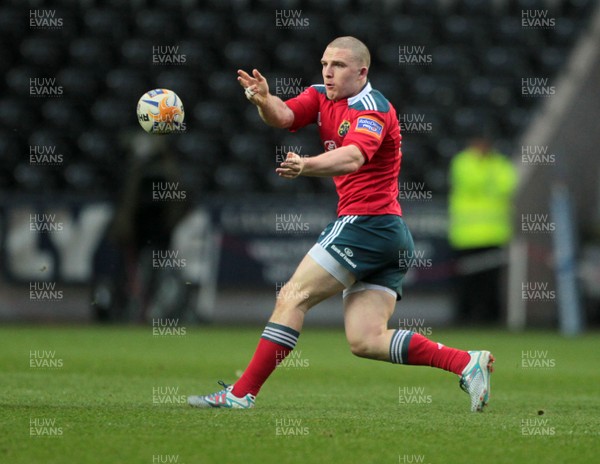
(359, 50)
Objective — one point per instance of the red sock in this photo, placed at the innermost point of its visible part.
(424, 352)
(276, 342)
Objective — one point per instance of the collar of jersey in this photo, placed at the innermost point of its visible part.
(366, 89)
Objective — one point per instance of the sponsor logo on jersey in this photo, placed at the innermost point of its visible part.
(369, 125)
(344, 128)
(330, 145)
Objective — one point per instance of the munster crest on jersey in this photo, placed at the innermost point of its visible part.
(344, 128)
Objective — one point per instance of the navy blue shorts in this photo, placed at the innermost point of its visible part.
(366, 252)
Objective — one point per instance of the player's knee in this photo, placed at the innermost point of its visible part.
(361, 348)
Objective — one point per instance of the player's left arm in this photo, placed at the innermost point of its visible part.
(338, 162)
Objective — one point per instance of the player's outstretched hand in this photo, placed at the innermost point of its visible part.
(255, 86)
(292, 166)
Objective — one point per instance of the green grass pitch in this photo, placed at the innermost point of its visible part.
(115, 395)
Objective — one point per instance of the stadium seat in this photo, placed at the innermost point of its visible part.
(246, 55)
(516, 120)
(564, 31)
(18, 80)
(506, 146)
(386, 54)
(207, 26)
(12, 149)
(196, 179)
(371, 27)
(127, 83)
(113, 112)
(520, 5)
(202, 148)
(8, 56)
(424, 7)
(97, 146)
(224, 84)
(253, 24)
(212, 116)
(35, 179)
(160, 25)
(136, 52)
(178, 82)
(248, 148)
(64, 114)
(81, 82)
(509, 30)
(435, 90)
(424, 120)
(230, 178)
(390, 86)
(436, 178)
(103, 58)
(17, 114)
(251, 120)
(11, 22)
(251, 148)
(451, 60)
(414, 157)
(469, 121)
(106, 23)
(414, 31)
(501, 94)
(7, 183)
(44, 136)
(224, 8)
(199, 56)
(92, 52)
(274, 183)
(478, 8)
(42, 51)
(325, 7)
(477, 90)
(80, 177)
(550, 60)
(447, 147)
(504, 61)
(577, 8)
(458, 29)
(294, 57)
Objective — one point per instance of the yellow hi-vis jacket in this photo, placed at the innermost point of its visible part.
(480, 203)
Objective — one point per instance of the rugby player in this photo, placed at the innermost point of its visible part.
(357, 254)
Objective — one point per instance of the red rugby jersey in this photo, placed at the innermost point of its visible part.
(367, 120)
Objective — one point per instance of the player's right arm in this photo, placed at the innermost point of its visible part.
(272, 110)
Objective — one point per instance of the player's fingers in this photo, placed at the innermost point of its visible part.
(258, 76)
(245, 79)
(290, 159)
(285, 174)
(288, 173)
(243, 74)
(246, 82)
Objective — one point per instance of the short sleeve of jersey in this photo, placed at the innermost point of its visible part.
(367, 132)
(305, 108)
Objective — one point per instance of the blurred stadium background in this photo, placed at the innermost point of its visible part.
(80, 229)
